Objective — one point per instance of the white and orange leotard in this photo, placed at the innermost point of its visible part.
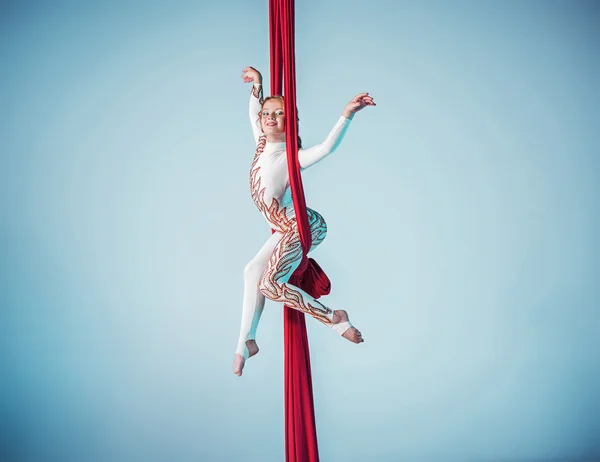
(268, 273)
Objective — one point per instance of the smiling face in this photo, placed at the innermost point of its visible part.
(272, 118)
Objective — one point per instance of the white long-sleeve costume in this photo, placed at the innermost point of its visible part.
(268, 273)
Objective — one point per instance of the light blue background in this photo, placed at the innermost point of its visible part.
(462, 212)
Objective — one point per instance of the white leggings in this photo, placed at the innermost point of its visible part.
(268, 273)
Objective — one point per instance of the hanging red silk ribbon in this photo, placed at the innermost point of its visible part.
(300, 428)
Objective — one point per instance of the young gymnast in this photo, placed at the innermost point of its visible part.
(268, 273)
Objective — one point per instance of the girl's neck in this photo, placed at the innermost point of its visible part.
(276, 138)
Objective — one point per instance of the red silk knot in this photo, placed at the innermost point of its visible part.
(313, 279)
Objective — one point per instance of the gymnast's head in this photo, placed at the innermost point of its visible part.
(272, 119)
(272, 116)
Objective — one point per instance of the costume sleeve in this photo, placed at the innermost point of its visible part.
(310, 156)
(256, 100)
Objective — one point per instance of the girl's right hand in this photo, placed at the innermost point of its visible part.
(249, 74)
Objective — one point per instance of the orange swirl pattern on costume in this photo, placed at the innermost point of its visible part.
(257, 92)
(275, 215)
(283, 262)
(288, 253)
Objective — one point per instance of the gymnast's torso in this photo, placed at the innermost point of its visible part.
(269, 178)
(270, 185)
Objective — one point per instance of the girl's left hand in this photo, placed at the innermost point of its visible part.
(357, 103)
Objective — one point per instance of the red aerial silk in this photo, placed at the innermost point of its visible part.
(300, 428)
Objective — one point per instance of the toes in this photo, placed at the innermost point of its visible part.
(359, 338)
(353, 335)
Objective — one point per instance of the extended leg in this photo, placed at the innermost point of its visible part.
(254, 300)
(275, 285)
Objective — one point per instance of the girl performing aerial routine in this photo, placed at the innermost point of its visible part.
(268, 273)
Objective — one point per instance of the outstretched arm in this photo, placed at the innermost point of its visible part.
(249, 74)
(310, 156)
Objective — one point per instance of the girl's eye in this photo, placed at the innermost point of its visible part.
(279, 112)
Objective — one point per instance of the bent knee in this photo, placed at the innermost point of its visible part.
(253, 270)
(318, 226)
(318, 233)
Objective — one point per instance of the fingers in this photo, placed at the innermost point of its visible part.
(360, 102)
(367, 101)
(363, 99)
(359, 96)
(249, 74)
(246, 77)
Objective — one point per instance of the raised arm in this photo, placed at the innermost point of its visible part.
(250, 74)
(310, 156)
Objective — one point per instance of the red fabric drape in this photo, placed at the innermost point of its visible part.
(300, 428)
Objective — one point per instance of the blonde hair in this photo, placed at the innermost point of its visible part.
(279, 98)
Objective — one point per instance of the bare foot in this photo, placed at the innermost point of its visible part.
(352, 334)
(238, 364)
(239, 361)
(252, 348)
